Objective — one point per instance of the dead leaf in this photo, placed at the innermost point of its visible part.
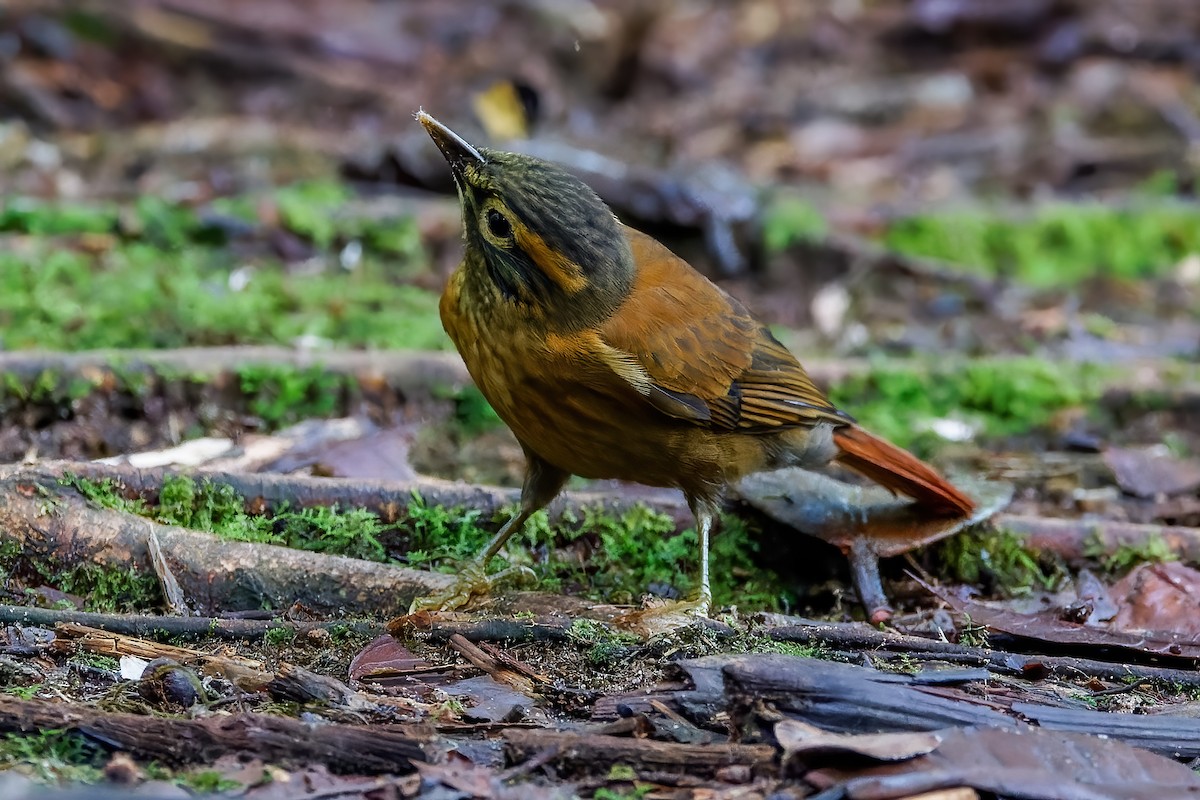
(461, 774)
(1049, 626)
(501, 112)
(1163, 598)
(796, 737)
(1152, 471)
(385, 657)
(1025, 763)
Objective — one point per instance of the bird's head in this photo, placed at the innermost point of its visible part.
(543, 241)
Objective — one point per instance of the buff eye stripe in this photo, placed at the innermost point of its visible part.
(565, 273)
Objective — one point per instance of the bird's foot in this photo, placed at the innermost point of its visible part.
(471, 584)
(864, 570)
(665, 616)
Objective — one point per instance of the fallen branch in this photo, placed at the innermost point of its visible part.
(845, 698)
(407, 371)
(246, 674)
(860, 637)
(389, 499)
(178, 742)
(597, 752)
(54, 523)
(486, 662)
(150, 626)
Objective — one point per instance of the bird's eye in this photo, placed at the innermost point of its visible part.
(498, 224)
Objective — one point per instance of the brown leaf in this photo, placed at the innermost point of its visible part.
(1049, 626)
(384, 656)
(462, 775)
(799, 737)
(1164, 598)
(1025, 763)
(1152, 471)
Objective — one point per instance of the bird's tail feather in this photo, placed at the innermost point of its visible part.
(899, 470)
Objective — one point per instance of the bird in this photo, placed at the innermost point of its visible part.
(610, 357)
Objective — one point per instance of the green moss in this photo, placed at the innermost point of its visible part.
(627, 553)
(352, 532)
(630, 552)
(998, 560)
(104, 493)
(307, 208)
(280, 637)
(96, 661)
(1150, 550)
(440, 536)
(163, 278)
(110, 589)
(52, 756)
(473, 414)
(279, 394)
(217, 508)
(1004, 397)
(634, 792)
(23, 215)
(606, 646)
(791, 219)
(197, 504)
(1058, 243)
(206, 781)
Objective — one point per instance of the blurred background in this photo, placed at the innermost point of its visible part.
(975, 218)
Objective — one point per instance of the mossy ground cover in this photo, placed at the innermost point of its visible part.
(616, 558)
(159, 275)
(601, 555)
(999, 397)
(1057, 242)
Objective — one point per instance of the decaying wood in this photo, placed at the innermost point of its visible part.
(54, 523)
(594, 752)
(838, 697)
(389, 499)
(408, 371)
(1168, 734)
(1077, 540)
(846, 698)
(492, 666)
(152, 626)
(114, 644)
(859, 637)
(245, 673)
(177, 742)
(501, 630)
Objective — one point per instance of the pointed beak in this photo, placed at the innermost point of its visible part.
(455, 149)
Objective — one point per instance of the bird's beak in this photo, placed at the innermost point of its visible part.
(455, 148)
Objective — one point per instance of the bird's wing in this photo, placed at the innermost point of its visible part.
(697, 354)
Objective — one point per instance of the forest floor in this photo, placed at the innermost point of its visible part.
(235, 442)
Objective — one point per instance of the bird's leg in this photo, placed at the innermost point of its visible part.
(472, 579)
(542, 483)
(676, 614)
(864, 570)
(704, 524)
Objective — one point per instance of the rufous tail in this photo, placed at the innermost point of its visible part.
(898, 470)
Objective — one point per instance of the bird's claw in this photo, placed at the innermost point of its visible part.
(473, 583)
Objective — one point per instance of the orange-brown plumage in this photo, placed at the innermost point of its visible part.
(610, 357)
